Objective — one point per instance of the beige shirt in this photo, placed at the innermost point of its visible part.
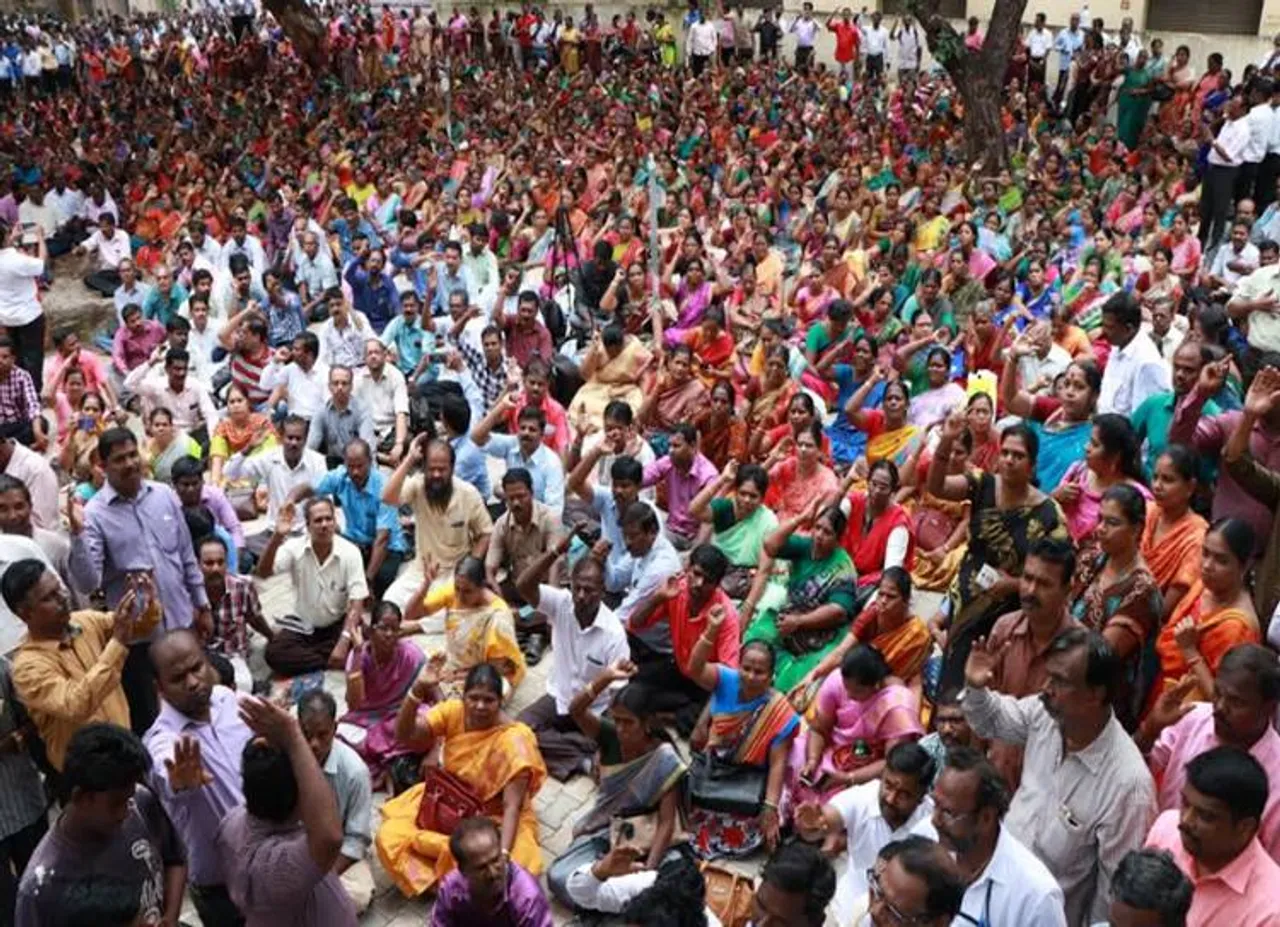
(1264, 327)
(322, 591)
(513, 546)
(385, 398)
(447, 535)
(1080, 812)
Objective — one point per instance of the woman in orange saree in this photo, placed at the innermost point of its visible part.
(770, 395)
(496, 757)
(713, 347)
(1174, 535)
(1215, 615)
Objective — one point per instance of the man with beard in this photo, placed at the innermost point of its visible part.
(1020, 640)
(950, 730)
(1246, 691)
(1086, 797)
(1214, 840)
(196, 744)
(873, 815)
(450, 518)
(1006, 883)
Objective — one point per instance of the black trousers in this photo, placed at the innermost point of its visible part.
(1035, 71)
(562, 744)
(215, 907)
(293, 654)
(1246, 176)
(28, 346)
(698, 64)
(386, 574)
(15, 852)
(804, 58)
(671, 692)
(875, 67)
(139, 683)
(1264, 188)
(1216, 202)
(103, 281)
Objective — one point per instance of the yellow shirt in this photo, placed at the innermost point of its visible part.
(68, 684)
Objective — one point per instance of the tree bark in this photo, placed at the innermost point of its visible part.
(978, 75)
(305, 30)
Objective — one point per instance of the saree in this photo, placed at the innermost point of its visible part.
(896, 445)
(1060, 447)
(769, 408)
(681, 403)
(934, 405)
(1174, 560)
(632, 787)
(867, 545)
(161, 464)
(926, 575)
(999, 539)
(253, 437)
(790, 493)
(486, 634)
(810, 583)
(690, 307)
(741, 733)
(722, 443)
(487, 761)
(1219, 632)
(616, 378)
(905, 648)
(861, 735)
(385, 687)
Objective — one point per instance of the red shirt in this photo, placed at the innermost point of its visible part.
(687, 628)
(847, 40)
(556, 434)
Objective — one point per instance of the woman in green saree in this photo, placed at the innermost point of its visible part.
(1134, 101)
(739, 525)
(638, 797)
(807, 618)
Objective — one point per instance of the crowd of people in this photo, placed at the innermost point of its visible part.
(869, 506)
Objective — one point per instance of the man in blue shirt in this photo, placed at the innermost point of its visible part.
(412, 343)
(449, 277)
(372, 291)
(369, 523)
(285, 320)
(469, 462)
(524, 449)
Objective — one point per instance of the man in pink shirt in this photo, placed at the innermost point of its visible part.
(1246, 691)
(1214, 840)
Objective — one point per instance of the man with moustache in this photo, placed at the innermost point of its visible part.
(1005, 882)
(1246, 691)
(950, 730)
(450, 518)
(1214, 840)
(873, 815)
(1086, 797)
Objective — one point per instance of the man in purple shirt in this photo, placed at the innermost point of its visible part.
(133, 343)
(196, 745)
(136, 526)
(685, 471)
(487, 889)
(279, 849)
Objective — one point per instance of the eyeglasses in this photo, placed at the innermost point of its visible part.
(876, 892)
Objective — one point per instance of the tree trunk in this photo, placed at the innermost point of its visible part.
(978, 75)
(305, 30)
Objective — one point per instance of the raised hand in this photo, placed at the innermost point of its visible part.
(1169, 708)
(669, 589)
(284, 518)
(715, 618)
(1263, 393)
(75, 513)
(418, 448)
(429, 679)
(1212, 376)
(267, 719)
(619, 670)
(122, 619)
(954, 425)
(186, 769)
(810, 821)
(981, 665)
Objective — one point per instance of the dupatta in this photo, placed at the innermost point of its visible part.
(633, 787)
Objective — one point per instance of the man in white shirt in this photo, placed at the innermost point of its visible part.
(241, 242)
(1007, 884)
(1257, 302)
(35, 209)
(186, 398)
(589, 640)
(296, 377)
(66, 200)
(1238, 258)
(1259, 119)
(910, 43)
(805, 29)
(1135, 369)
(1264, 190)
(872, 815)
(1039, 44)
(382, 390)
(112, 246)
(875, 47)
(20, 309)
(1226, 154)
(701, 45)
(282, 469)
(132, 291)
(98, 201)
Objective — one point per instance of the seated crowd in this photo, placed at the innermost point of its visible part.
(912, 527)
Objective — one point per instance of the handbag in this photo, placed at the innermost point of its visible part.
(1162, 93)
(720, 786)
(729, 895)
(931, 528)
(446, 801)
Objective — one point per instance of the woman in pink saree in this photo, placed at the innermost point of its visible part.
(379, 675)
(860, 713)
(692, 297)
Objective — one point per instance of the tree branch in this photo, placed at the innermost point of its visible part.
(304, 28)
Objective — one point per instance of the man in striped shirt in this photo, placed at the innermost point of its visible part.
(245, 339)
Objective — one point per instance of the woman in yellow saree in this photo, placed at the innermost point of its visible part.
(496, 757)
(478, 625)
(612, 370)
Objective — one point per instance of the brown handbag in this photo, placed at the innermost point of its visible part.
(730, 895)
(446, 801)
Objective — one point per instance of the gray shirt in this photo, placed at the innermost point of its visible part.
(22, 800)
(349, 777)
(1080, 812)
(333, 428)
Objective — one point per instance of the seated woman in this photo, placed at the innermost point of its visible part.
(495, 757)
(747, 723)
(805, 619)
(713, 348)
(722, 436)
(769, 397)
(478, 625)
(380, 672)
(889, 435)
(1110, 459)
(861, 712)
(678, 396)
(940, 527)
(641, 775)
(848, 443)
(942, 395)
(165, 445)
(1115, 594)
(1062, 423)
(1215, 615)
(739, 525)
(878, 535)
(242, 431)
(1173, 535)
(887, 625)
(797, 479)
(611, 370)
(80, 445)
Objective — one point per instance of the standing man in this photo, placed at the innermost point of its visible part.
(805, 29)
(847, 41)
(700, 46)
(135, 528)
(875, 44)
(906, 32)
(1039, 44)
(20, 310)
(24, 814)
(1068, 43)
(196, 744)
(1078, 821)
(1226, 155)
(1135, 370)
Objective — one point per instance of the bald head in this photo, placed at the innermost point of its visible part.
(184, 676)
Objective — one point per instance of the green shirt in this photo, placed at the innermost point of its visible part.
(741, 541)
(1151, 422)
